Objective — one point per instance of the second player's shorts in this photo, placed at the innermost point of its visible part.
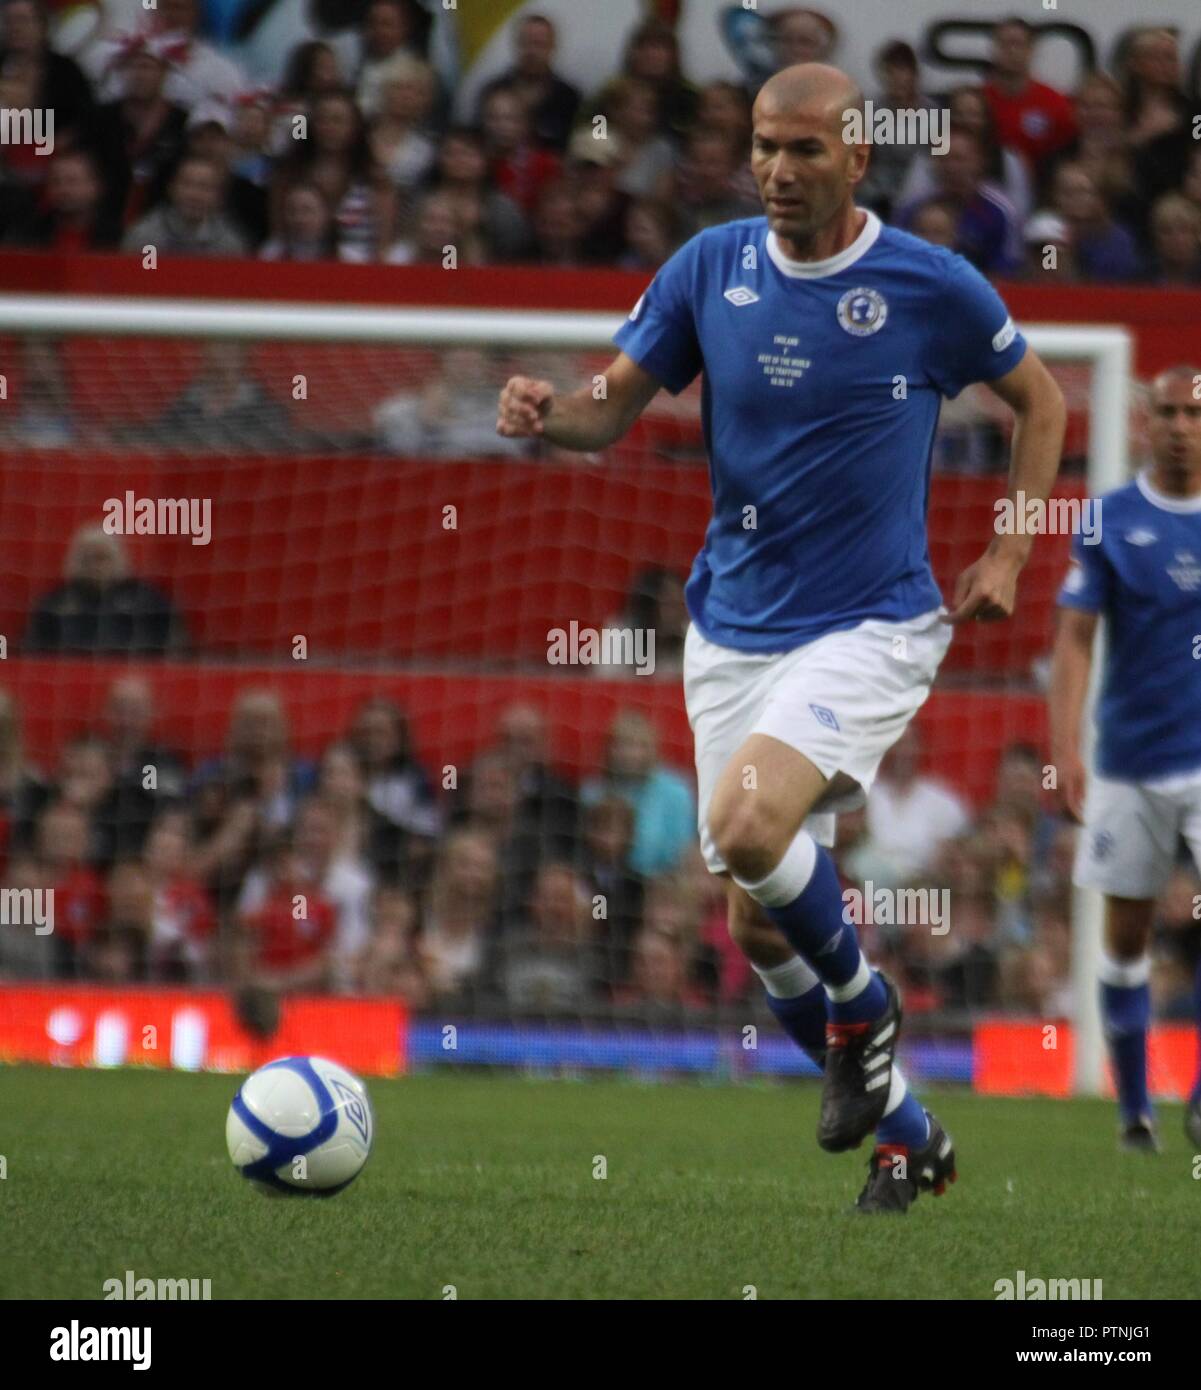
(1127, 848)
(842, 700)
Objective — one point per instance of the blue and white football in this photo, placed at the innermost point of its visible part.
(300, 1126)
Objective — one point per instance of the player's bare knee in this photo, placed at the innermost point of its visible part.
(747, 837)
(757, 937)
(744, 923)
(1128, 924)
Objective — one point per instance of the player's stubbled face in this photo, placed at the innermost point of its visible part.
(1174, 428)
(804, 169)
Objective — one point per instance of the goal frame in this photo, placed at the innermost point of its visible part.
(1108, 348)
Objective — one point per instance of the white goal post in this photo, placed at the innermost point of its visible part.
(1107, 348)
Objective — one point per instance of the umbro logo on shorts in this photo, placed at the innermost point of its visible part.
(740, 295)
(825, 716)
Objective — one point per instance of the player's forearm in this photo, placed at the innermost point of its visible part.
(1071, 667)
(580, 421)
(1034, 465)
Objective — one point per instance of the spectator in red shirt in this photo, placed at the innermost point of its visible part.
(286, 939)
(71, 213)
(182, 923)
(62, 865)
(1030, 116)
(520, 168)
(117, 952)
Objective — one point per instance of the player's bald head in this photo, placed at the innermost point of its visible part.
(1173, 379)
(815, 91)
(1174, 423)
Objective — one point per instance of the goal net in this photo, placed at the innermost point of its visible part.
(286, 623)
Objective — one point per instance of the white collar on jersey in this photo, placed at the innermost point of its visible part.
(1162, 500)
(816, 270)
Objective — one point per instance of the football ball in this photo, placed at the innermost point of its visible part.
(300, 1126)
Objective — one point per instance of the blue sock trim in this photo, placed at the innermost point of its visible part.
(906, 1125)
(804, 1020)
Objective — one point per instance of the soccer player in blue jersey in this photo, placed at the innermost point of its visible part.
(1144, 579)
(826, 341)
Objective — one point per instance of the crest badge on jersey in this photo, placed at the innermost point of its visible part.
(862, 312)
(1186, 572)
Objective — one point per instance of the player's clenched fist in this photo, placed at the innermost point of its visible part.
(524, 403)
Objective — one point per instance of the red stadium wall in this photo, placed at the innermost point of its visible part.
(194, 1030)
(353, 553)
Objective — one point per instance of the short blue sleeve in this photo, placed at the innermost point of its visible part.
(660, 333)
(972, 337)
(1087, 583)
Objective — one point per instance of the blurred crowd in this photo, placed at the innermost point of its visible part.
(160, 140)
(504, 885)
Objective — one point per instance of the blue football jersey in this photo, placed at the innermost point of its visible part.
(1144, 579)
(821, 392)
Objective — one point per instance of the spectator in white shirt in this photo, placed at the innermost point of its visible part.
(909, 815)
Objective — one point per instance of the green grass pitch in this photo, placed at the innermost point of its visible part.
(486, 1183)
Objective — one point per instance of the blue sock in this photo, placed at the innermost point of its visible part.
(804, 1020)
(803, 1017)
(803, 897)
(906, 1125)
(1125, 1012)
(1195, 1093)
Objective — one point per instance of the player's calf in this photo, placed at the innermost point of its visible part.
(803, 898)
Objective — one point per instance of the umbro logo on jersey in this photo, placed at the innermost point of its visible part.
(1141, 536)
(740, 295)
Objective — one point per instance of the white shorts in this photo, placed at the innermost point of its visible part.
(1131, 830)
(842, 700)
